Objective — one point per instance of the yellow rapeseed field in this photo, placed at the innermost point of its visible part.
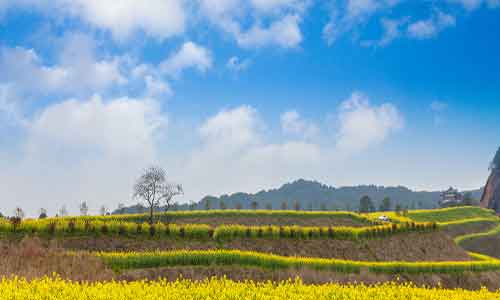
(223, 289)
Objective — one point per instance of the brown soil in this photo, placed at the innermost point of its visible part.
(472, 281)
(489, 245)
(433, 246)
(31, 259)
(408, 247)
(463, 229)
(272, 220)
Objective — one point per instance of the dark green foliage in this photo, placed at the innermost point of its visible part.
(366, 205)
(254, 205)
(222, 205)
(386, 204)
(208, 204)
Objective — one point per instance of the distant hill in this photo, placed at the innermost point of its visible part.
(315, 195)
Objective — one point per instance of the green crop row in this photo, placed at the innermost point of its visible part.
(67, 227)
(450, 214)
(172, 216)
(79, 227)
(139, 260)
(480, 220)
(226, 232)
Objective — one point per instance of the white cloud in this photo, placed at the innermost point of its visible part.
(122, 125)
(277, 6)
(77, 68)
(235, 155)
(346, 16)
(156, 87)
(234, 63)
(422, 29)
(272, 23)
(93, 150)
(292, 123)
(10, 110)
(391, 30)
(363, 124)
(82, 150)
(232, 129)
(190, 55)
(284, 32)
(429, 28)
(471, 5)
(356, 9)
(330, 32)
(160, 19)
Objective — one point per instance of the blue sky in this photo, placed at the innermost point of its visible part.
(234, 95)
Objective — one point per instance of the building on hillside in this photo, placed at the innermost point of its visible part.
(451, 197)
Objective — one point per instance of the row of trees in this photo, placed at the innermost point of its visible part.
(285, 205)
(62, 212)
(366, 205)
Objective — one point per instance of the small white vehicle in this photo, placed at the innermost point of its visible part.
(384, 218)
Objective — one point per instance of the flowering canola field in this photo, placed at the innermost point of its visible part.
(223, 289)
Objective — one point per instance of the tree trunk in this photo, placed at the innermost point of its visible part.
(151, 214)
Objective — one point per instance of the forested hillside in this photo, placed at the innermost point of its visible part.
(307, 195)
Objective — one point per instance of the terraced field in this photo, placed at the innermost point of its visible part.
(423, 247)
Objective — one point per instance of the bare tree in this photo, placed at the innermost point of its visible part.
(167, 193)
(103, 210)
(84, 208)
(42, 213)
(63, 212)
(152, 187)
(121, 208)
(19, 213)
